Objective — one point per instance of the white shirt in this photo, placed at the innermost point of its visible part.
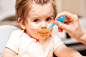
(28, 47)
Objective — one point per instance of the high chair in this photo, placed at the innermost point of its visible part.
(5, 31)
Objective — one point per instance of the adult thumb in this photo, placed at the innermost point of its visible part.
(61, 25)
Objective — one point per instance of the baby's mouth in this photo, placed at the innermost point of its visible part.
(43, 32)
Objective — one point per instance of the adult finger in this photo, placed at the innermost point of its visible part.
(60, 30)
(61, 25)
(66, 14)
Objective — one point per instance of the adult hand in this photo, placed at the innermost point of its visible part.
(70, 24)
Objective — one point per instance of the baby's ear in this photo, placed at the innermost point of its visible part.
(22, 23)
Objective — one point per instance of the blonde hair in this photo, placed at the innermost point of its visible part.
(23, 6)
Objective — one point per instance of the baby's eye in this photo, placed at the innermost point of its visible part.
(48, 19)
(36, 20)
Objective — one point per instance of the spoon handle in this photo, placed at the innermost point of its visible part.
(60, 19)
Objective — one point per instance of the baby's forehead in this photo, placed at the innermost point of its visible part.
(37, 9)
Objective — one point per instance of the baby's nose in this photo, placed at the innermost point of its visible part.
(44, 25)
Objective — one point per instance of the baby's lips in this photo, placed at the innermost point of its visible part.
(43, 31)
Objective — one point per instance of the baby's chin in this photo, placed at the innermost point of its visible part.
(41, 36)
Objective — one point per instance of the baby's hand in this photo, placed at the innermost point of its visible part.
(17, 56)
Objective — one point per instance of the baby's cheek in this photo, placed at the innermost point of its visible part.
(34, 31)
(50, 30)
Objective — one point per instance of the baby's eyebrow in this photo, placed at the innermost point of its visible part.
(35, 17)
(50, 15)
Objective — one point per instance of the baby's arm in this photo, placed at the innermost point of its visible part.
(64, 51)
(9, 53)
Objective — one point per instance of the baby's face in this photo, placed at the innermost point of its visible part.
(40, 17)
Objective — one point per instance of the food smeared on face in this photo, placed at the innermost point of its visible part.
(41, 32)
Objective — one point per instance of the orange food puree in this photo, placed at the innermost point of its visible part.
(44, 31)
